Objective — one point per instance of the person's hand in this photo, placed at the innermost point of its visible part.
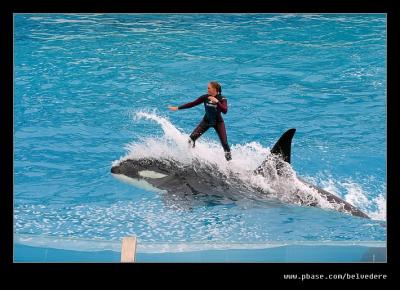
(214, 100)
(172, 108)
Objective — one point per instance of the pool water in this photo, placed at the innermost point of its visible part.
(93, 89)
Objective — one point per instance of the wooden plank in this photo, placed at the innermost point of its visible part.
(128, 251)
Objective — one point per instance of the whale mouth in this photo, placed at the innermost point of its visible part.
(115, 170)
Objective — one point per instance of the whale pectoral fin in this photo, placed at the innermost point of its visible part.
(176, 184)
(194, 191)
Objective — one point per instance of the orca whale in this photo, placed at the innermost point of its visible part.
(202, 179)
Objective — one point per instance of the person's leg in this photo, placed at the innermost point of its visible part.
(221, 131)
(198, 131)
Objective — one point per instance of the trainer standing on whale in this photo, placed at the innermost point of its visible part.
(214, 104)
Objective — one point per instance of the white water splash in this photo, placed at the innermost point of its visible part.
(174, 145)
(375, 208)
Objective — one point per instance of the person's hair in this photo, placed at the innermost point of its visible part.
(216, 86)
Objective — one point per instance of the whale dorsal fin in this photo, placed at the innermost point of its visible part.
(283, 146)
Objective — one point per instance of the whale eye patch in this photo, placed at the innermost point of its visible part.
(151, 174)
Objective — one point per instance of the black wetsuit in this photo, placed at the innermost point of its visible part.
(212, 118)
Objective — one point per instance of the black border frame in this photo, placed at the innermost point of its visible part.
(247, 273)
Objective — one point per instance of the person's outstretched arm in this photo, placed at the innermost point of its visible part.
(196, 102)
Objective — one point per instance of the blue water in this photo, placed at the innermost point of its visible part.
(81, 79)
(300, 253)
